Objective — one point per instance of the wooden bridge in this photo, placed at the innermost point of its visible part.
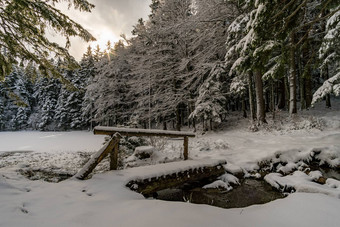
(150, 179)
(112, 146)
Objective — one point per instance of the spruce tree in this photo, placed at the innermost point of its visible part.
(23, 32)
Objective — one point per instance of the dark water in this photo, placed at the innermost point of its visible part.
(250, 192)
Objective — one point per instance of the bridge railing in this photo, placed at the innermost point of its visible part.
(112, 146)
(103, 130)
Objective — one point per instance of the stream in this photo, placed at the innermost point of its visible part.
(249, 192)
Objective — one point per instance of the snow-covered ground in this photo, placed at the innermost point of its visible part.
(105, 201)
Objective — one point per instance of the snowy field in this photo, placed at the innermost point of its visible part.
(104, 201)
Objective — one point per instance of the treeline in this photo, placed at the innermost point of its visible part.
(30, 100)
(193, 61)
(190, 63)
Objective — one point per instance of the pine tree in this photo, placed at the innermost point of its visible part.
(23, 36)
(46, 93)
(87, 71)
(211, 101)
(329, 53)
(2, 107)
(68, 113)
(17, 99)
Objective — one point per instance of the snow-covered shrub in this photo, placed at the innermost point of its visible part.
(158, 142)
(144, 152)
(307, 124)
(127, 144)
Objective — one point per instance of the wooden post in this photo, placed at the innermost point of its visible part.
(186, 144)
(114, 157)
(98, 157)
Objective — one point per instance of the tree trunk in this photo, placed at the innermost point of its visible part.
(178, 119)
(308, 89)
(292, 77)
(328, 101)
(261, 115)
(307, 77)
(272, 98)
(281, 102)
(267, 101)
(328, 97)
(302, 93)
(286, 92)
(244, 107)
(194, 123)
(251, 96)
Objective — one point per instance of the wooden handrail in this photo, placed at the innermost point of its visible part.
(104, 130)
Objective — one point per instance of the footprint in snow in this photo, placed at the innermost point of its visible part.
(87, 193)
(23, 209)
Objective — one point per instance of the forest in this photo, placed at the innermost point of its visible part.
(190, 63)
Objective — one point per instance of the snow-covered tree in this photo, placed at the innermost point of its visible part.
(46, 94)
(68, 110)
(17, 99)
(211, 101)
(329, 53)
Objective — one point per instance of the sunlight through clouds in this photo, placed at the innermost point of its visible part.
(107, 21)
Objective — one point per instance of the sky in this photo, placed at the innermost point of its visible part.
(107, 21)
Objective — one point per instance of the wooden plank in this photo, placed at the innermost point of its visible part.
(114, 157)
(186, 148)
(98, 157)
(149, 186)
(103, 130)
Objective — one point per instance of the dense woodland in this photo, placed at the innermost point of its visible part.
(190, 63)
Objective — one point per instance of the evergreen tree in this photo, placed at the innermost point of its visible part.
(211, 101)
(17, 99)
(23, 36)
(329, 53)
(87, 71)
(68, 113)
(2, 107)
(47, 92)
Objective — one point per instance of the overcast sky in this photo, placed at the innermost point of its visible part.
(108, 20)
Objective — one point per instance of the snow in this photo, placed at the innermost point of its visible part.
(104, 200)
(315, 175)
(225, 181)
(144, 149)
(218, 184)
(148, 172)
(228, 178)
(50, 142)
(332, 183)
(330, 86)
(300, 182)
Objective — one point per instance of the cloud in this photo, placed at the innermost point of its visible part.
(108, 17)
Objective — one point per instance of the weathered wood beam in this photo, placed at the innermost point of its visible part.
(186, 148)
(149, 186)
(98, 157)
(103, 130)
(114, 157)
